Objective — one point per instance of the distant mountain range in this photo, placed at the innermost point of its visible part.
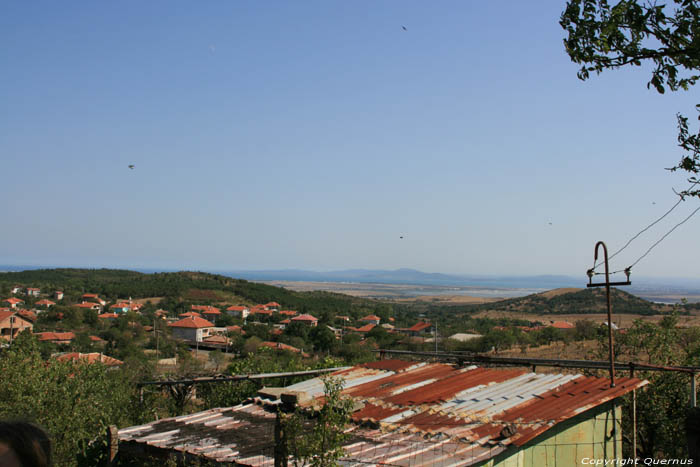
(409, 276)
(641, 285)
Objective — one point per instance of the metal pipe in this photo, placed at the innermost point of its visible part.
(610, 323)
(518, 361)
(634, 415)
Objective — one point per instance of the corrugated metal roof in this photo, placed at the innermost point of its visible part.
(408, 414)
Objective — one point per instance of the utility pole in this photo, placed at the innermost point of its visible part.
(436, 337)
(611, 352)
(12, 331)
(607, 285)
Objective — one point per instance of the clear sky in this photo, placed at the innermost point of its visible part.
(315, 134)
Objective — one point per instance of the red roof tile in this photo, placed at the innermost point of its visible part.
(93, 357)
(13, 301)
(305, 318)
(365, 328)
(281, 346)
(55, 336)
(419, 326)
(193, 322)
(108, 316)
(189, 314)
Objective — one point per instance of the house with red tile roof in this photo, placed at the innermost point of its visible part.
(108, 316)
(274, 306)
(193, 328)
(261, 312)
(15, 289)
(205, 308)
(58, 295)
(33, 291)
(289, 313)
(236, 329)
(56, 337)
(189, 314)
(13, 302)
(91, 358)
(363, 329)
(12, 324)
(239, 311)
(217, 340)
(94, 298)
(285, 347)
(373, 319)
(211, 313)
(420, 328)
(306, 319)
(28, 315)
(45, 302)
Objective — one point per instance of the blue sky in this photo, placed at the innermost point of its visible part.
(314, 134)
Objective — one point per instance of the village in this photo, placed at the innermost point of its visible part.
(397, 376)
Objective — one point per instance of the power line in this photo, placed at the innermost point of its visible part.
(666, 235)
(647, 228)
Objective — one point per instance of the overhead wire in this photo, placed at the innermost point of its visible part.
(680, 200)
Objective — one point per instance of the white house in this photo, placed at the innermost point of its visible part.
(192, 328)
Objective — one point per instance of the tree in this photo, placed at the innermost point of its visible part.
(321, 446)
(601, 36)
(74, 401)
(663, 404)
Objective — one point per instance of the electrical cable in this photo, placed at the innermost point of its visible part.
(644, 230)
(666, 235)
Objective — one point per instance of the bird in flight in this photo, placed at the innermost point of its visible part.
(401, 237)
(404, 28)
(131, 166)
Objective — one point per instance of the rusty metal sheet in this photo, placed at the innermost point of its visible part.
(441, 391)
(426, 414)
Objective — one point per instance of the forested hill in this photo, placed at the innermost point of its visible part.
(112, 284)
(571, 301)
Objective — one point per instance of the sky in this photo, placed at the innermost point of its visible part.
(314, 135)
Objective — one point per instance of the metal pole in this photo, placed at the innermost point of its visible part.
(610, 323)
(634, 415)
(156, 331)
(436, 337)
(693, 397)
(12, 331)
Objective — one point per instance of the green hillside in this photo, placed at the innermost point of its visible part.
(584, 301)
(191, 286)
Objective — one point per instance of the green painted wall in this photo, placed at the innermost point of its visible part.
(588, 435)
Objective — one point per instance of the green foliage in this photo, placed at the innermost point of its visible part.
(321, 446)
(663, 404)
(75, 402)
(601, 36)
(630, 32)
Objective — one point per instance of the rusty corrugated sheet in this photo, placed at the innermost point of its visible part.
(422, 415)
(459, 381)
